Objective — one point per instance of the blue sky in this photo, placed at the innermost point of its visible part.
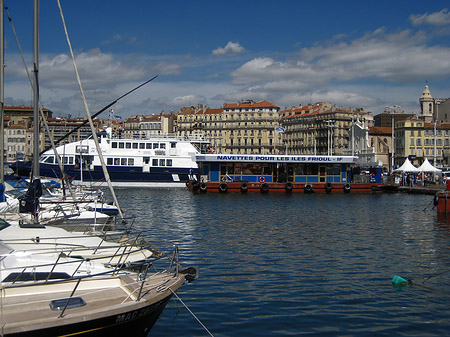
(350, 53)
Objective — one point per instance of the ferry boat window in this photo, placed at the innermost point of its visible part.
(148, 145)
(135, 145)
(162, 145)
(155, 162)
(121, 145)
(155, 145)
(50, 160)
(333, 170)
(130, 161)
(116, 161)
(123, 161)
(142, 145)
(109, 161)
(114, 145)
(146, 160)
(162, 162)
(169, 162)
(128, 145)
(173, 145)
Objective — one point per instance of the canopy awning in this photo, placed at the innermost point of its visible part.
(407, 167)
(427, 167)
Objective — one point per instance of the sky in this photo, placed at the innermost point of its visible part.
(353, 54)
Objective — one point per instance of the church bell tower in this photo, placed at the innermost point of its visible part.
(426, 105)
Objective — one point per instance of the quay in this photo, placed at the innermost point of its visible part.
(429, 189)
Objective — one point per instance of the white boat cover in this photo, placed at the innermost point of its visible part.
(11, 205)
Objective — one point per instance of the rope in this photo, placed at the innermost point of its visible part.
(190, 311)
(88, 114)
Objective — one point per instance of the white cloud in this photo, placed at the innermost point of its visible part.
(232, 48)
(187, 100)
(399, 57)
(440, 18)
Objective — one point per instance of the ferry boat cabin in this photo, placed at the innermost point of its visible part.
(221, 173)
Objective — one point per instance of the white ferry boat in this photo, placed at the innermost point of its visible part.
(165, 161)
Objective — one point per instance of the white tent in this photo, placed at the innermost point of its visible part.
(407, 167)
(427, 167)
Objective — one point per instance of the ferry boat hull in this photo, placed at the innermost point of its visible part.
(281, 188)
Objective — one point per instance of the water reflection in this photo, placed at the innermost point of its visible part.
(302, 264)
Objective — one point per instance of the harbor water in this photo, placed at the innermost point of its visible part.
(290, 265)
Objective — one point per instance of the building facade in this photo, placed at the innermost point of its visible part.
(245, 127)
(323, 129)
(417, 140)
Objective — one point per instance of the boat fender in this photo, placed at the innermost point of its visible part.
(436, 199)
(400, 281)
(347, 188)
(244, 188)
(308, 188)
(264, 187)
(223, 187)
(190, 273)
(328, 187)
(196, 185)
(289, 187)
(203, 187)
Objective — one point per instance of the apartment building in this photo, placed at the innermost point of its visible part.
(149, 126)
(244, 127)
(322, 129)
(416, 139)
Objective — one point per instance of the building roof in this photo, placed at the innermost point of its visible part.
(380, 130)
(250, 104)
(213, 111)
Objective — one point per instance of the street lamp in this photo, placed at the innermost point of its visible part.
(435, 120)
(391, 110)
(330, 125)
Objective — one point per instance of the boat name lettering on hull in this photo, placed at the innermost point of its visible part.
(134, 314)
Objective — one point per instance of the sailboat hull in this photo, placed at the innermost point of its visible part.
(133, 323)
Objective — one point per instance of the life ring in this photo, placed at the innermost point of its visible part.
(289, 187)
(262, 179)
(244, 188)
(347, 188)
(223, 187)
(309, 188)
(203, 187)
(264, 187)
(328, 187)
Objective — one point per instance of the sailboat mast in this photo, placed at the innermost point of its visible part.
(36, 134)
(2, 93)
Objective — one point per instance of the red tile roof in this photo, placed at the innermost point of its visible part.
(384, 130)
(249, 104)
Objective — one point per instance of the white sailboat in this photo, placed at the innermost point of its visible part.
(65, 285)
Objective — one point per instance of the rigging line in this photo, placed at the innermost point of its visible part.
(94, 115)
(52, 144)
(88, 114)
(178, 297)
(99, 112)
